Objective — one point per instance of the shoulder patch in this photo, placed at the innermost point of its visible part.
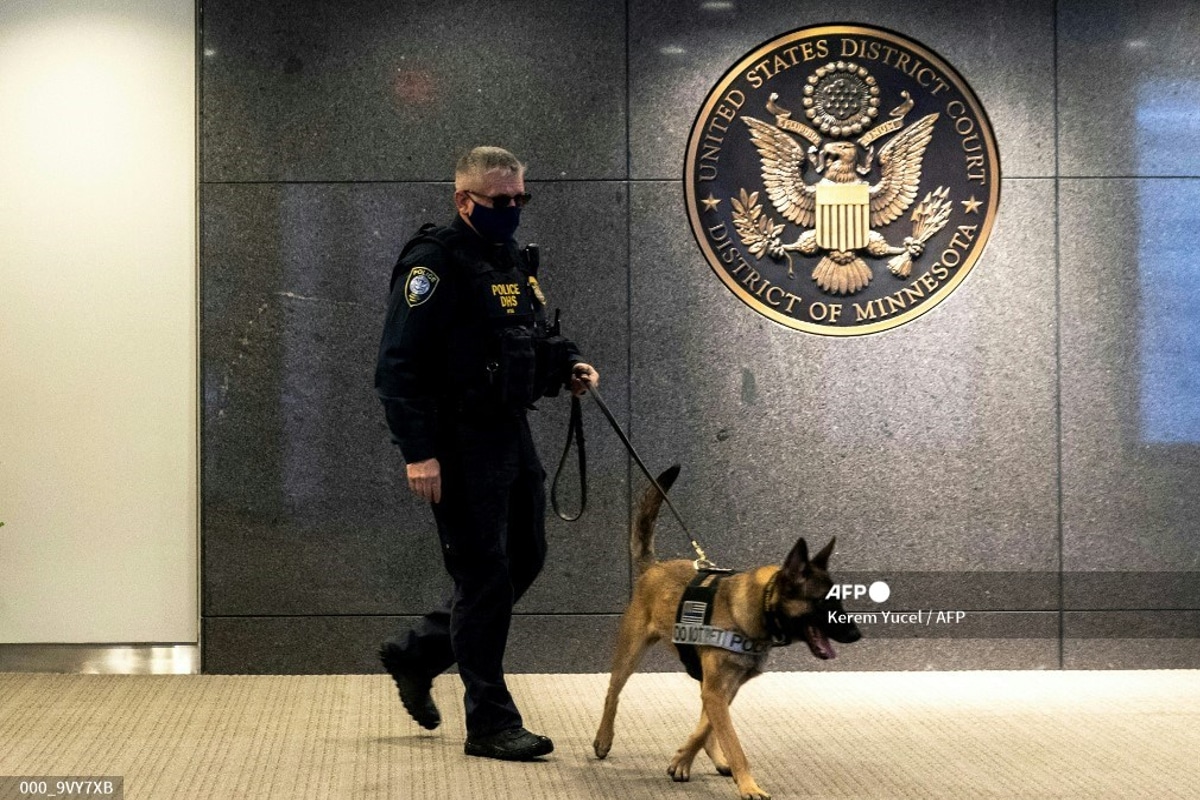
(419, 285)
(537, 290)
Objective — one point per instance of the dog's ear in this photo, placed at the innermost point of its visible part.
(821, 559)
(795, 566)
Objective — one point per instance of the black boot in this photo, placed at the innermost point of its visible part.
(414, 687)
(514, 744)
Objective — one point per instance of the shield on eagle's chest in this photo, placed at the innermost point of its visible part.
(843, 215)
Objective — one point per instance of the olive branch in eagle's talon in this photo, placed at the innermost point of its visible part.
(757, 230)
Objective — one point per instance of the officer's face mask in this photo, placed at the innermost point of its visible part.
(496, 225)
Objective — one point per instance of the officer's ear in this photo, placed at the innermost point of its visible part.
(462, 201)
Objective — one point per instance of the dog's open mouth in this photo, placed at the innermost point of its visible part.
(818, 642)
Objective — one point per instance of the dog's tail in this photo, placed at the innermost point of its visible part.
(641, 540)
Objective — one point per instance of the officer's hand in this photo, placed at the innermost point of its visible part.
(425, 479)
(582, 377)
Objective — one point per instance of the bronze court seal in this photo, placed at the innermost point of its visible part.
(842, 179)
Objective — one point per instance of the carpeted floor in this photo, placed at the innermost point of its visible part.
(808, 735)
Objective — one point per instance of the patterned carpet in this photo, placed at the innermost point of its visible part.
(808, 735)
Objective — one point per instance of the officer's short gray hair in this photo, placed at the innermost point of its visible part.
(477, 163)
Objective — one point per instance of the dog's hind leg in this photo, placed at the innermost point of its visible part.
(632, 641)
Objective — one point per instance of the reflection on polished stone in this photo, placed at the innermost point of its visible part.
(582, 643)
(1140, 116)
(366, 91)
(84, 659)
(1129, 375)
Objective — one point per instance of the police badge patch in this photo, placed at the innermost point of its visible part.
(842, 179)
(419, 285)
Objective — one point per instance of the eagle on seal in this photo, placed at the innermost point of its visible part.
(840, 211)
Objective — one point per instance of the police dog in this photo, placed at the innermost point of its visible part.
(777, 604)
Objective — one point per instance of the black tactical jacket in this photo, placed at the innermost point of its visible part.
(465, 335)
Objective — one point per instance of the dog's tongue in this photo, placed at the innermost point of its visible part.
(818, 642)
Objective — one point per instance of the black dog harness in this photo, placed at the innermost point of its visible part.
(692, 628)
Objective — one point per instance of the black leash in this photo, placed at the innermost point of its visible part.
(576, 428)
(574, 435)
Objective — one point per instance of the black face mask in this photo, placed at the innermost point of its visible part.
(496, 225)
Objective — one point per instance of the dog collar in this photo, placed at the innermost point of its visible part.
(771, 615)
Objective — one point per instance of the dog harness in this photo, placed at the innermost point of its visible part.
(692, 627)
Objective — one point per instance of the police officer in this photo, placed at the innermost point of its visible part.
(466, 349)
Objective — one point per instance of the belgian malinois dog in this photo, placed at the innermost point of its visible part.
(767, 606)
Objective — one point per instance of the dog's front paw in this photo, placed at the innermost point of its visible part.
(601, 748)
(681, 768)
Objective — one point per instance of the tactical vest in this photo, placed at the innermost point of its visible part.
(503, 351)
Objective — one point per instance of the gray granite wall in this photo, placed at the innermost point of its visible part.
(1033, 434)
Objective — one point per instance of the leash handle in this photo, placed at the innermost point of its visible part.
(574, 436)
(701, 563)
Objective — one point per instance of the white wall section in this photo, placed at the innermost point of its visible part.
(98, 322)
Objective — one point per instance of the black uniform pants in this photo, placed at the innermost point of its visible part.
(491, 523)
